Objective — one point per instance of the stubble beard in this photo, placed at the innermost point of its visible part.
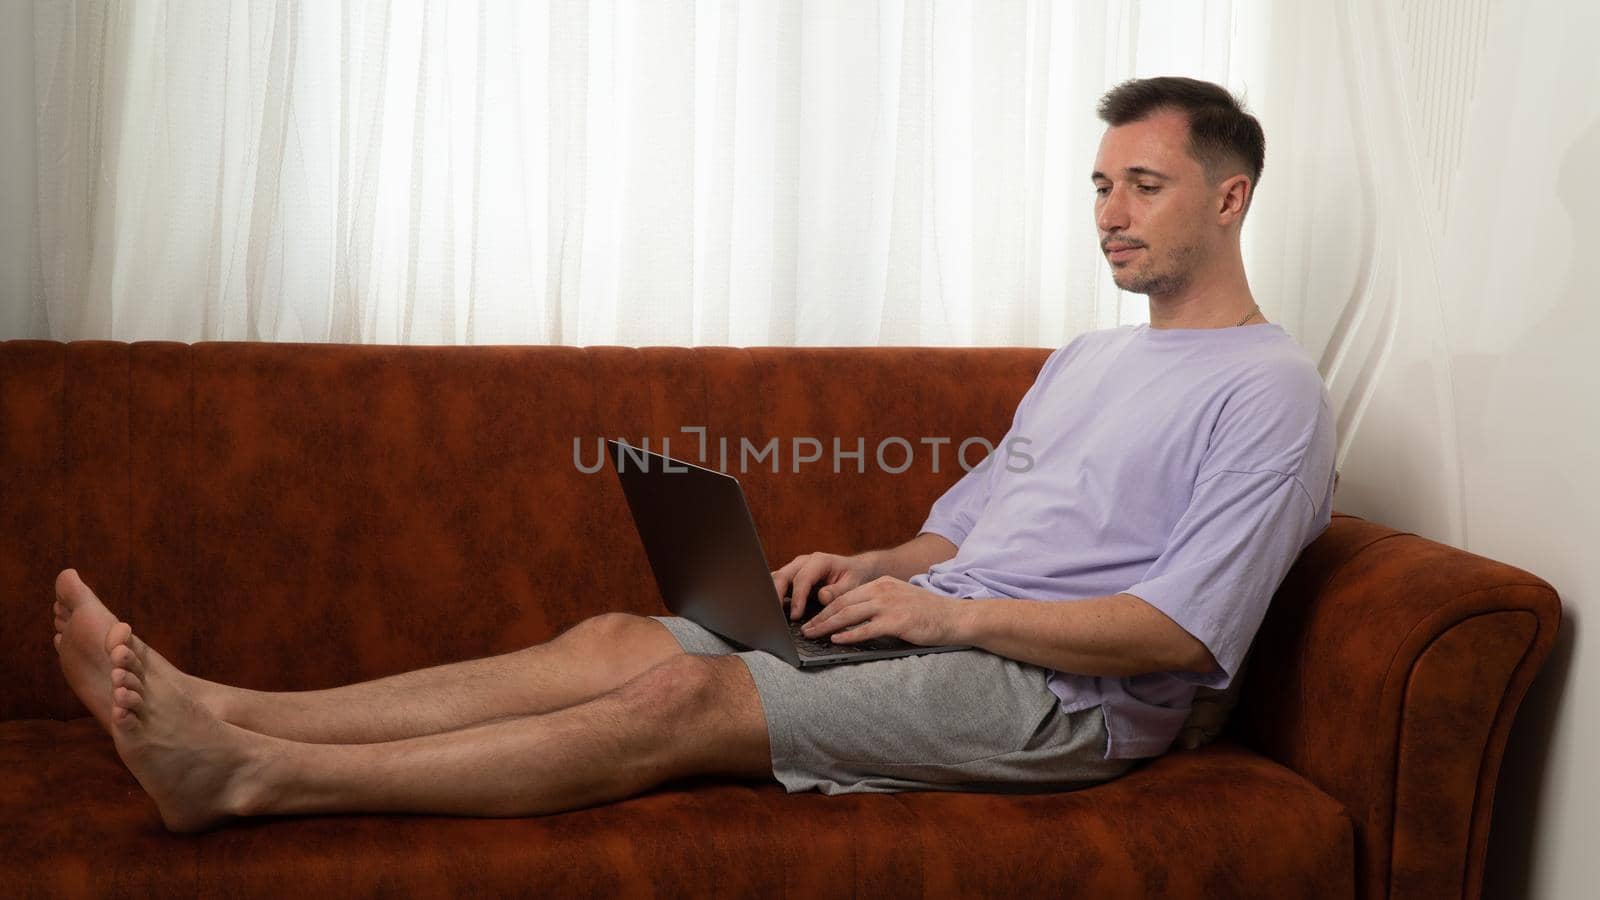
(1170, 279)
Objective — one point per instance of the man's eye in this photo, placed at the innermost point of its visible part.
(1148, 188)
(1102, 191)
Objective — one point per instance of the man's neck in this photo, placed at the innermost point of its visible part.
(1221, 300)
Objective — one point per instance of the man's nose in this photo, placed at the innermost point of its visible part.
(1113, 212)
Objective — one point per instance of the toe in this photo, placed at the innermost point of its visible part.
(61, 611)
(124, 678)
(67, 584)
(122, 656)
(118, 635)
(127, 698)
(57, 641)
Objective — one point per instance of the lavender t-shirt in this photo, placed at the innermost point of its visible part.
(1187, 467)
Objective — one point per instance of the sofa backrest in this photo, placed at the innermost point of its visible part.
(294, 516)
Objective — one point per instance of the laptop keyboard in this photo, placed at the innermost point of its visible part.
(809, 646)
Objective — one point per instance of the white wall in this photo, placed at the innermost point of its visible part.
(16, 167)
(1520, 277)
(1450, 287)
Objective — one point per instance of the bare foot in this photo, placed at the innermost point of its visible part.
(85, 633)
(200, 771)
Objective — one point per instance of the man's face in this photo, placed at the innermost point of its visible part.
(1153, 205)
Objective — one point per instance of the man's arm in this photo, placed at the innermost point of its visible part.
(911, 558)
(1118, 635)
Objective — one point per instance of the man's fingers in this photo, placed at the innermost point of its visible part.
(813, 573)
(837, 618)
(855, 618)
(863, 632)
(829, 575)
(784, 575)
(786, 580)
(800, 592)
(839, 588)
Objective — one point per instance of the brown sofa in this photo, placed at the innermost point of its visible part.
(299, 516)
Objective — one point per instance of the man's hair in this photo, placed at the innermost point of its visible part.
(1222, 134)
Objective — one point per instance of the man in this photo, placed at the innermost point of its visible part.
(1179, 469)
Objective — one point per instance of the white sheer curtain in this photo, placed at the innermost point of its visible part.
(710, 172)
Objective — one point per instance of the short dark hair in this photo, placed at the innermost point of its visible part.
(1221, 133)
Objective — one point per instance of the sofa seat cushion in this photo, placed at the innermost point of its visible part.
(1218, 821)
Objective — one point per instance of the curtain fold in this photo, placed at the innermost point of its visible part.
(707, 172)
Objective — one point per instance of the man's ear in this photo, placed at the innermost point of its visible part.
(1233, 199)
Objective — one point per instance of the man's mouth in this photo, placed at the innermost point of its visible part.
(1122, 252)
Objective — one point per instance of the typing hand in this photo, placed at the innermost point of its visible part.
(889, 607)
(829, 575)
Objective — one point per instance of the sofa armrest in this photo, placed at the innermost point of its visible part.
(1388, 671)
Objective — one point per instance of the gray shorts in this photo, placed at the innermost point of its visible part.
(966, 720)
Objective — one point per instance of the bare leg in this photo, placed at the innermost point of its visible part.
(688, 715)
(585, 661)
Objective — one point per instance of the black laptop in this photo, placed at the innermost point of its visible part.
(702, 545)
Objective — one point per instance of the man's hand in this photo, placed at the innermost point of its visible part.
(889, 607)
(836, 575)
